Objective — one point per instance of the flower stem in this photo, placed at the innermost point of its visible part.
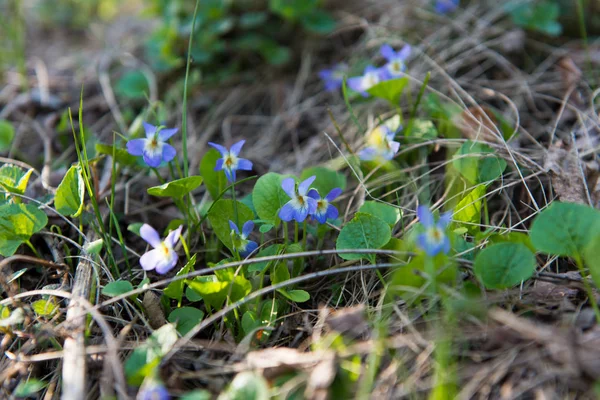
(235, 210)
(430, 270)
(286, 238)
(588, 288)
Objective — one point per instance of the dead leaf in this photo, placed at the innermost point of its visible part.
(321, 377)
(569, 71)
(276, 361)
(565, 170)
(349, 321)
(151, 303)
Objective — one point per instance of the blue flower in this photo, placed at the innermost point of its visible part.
(434, 239)
(396, 60)
(163, 257)
(446, 6)
(333, 77)
(240, 241)
(371, 77)
(230, 161)
(324, 209)
(154, 148)
(380, 144)
(153, 391)
(300, 205)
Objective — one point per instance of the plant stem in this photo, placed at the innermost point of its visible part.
(588, 288)
(235, 210)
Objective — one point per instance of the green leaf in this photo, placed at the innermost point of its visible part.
(117, 288)
(265, 252)
(94, 247)
(477, 163)
(389, 90)
(468, 209)
(364, 231)
(268, 197)
(297, 296)
(121, 155)
(7, 134)
(215, 181)
(215, 293)
(29, 388)
(221, 213)
(421, 130)
(252, 19)
(17, 223)
(591, 256)
(70, 193)
(292, 9)
(199, 394)
(133, 85)
(512, 237)
(14, 179)
(318, 21)
(247, 386)
(186, 318)
(280, 273)
(44, 308)
(250, 322)
(275, 54)
(177, 188)
(327, 179)
(385, 212)
(175, 288)
(565, 229)
(137, 366)
(135, 228)
(504, 265)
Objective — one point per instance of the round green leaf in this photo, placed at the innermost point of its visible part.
(7, 134)
(389, 90)
(364, 231)
(565, 229)
(177, 188)
(318, 21)
(268, 197)
(221, 213)
(117, 288)
(297, 296)
(29, 388)
(14, 179)
(186, 318)
(70, 193)
(327, 179)
(504, 265)
(133, 85)
(477, 163)
(17, 223)
(389, 214)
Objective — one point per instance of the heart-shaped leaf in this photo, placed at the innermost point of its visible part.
(177, 188)
(504, 265)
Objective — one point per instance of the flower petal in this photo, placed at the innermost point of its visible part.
(168, 153)
(355, 83)
(423, 243)
(219, 165)
(333, 194)
(289, 187)
(151, 259)
(149, 129)
(370, 68)
(165, 134)
(244, 165)
(367, 154)
(387, 52)
(237, 147)
(314, 194)
(173, 236)
(446, 245)
(332, 212)
(287, 212)
(321, 218)
(152, 159)
(301, 214)
(234, 227)
(404, 53)
(445, 220)
(167, 263)
(136, 147)
(425, 216)
(150, 235)
(311, 205)
(305, 185)
(250, 247)
(247, 228)
(219, 148)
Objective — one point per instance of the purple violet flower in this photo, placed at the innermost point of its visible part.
(380, 144)
(396, 60)
(325, 210)
(240, 241)
(163, 257)
(333, 77)
(434, 240)
(153, 391)
(300, 205)
(230, 161)
(371, 77)
(446, 6)
(154, 148)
